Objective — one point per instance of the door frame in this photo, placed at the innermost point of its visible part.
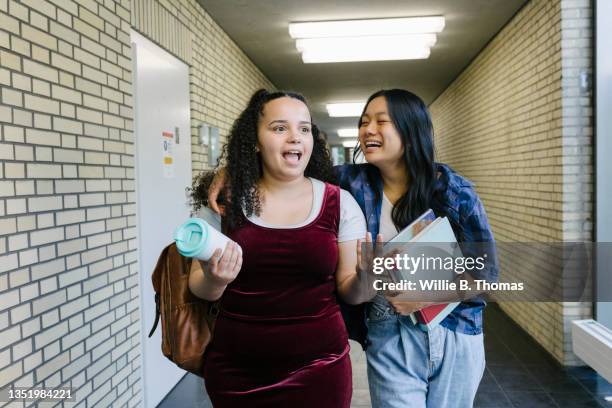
(603, 164)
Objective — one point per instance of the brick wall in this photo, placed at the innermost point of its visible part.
(516, 124)
(69, 310)
(577, 47)
(68, 272)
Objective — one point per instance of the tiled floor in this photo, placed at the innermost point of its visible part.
(519, 374)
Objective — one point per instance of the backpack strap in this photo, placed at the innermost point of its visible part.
(157, 314)
(162, 262)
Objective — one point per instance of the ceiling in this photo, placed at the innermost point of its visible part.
(260, 29)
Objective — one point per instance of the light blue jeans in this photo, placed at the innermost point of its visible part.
(408, 367)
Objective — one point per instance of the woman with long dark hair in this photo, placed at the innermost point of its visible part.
(401, 180)
(408, 367)
(279, 339)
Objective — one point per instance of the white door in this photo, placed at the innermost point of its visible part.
(163, 171)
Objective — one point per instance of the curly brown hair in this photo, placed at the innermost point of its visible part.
(244, 166)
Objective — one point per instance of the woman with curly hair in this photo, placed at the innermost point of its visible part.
(280, 339)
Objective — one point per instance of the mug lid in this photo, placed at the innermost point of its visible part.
(191, 237)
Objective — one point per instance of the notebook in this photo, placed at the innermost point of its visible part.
(437, 230)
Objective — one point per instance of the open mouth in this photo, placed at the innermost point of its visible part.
(372, 144)
(292, 156)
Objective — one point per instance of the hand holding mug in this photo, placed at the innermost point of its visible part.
(223, 269)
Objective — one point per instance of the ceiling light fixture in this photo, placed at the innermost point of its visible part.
(365, 43)
(379, 26)
(322, 56)
(381, 39)
(350, 143)
(348, 132)
(345, 109)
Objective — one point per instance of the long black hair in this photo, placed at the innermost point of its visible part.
(412, 120)
(244, 166)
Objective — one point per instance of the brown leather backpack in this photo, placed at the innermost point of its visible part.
(187, 320)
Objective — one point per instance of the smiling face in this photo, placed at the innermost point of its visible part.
(379, 140)
(284, 138)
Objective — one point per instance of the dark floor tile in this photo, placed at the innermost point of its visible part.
(508, 369)
(533, 357)
(491, 400)
(531, 399)
(550, 372)
(494, 343)
(488, 384)
(582, 372)
(577, 399)
(597, 386)
(562, 385)
(501, 358)
(514, 382)
(518, 342)
(603, 401)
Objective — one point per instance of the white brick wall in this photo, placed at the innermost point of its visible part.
(68, 273)
(578, 167)
(52, 112)
(516, 124)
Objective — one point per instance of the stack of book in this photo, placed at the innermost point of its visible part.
(427, 228)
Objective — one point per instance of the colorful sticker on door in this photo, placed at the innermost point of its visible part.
(168, 154)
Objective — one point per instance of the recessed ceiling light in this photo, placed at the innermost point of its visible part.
(379, 26)
(348, 132)
(350, 143)
(345, 109)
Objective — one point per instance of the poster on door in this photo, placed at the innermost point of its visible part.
(168, 154)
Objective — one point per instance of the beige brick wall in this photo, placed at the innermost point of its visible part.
(516, 124)
(69, 292)
(222, 77)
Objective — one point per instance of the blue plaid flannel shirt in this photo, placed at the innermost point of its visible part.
(454, 198)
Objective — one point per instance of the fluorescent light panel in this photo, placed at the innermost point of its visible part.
(348, 132)
(381, 26)
(364, 44)
(321, 56)
(350, 143)
(345, 109)
(383, 39)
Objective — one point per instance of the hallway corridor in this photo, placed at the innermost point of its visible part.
(519, 374)
(112, 110)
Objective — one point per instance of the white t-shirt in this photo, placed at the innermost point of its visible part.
(352, 222)
(388, 231)
(387, 227)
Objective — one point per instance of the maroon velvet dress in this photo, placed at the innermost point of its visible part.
(280, 340)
